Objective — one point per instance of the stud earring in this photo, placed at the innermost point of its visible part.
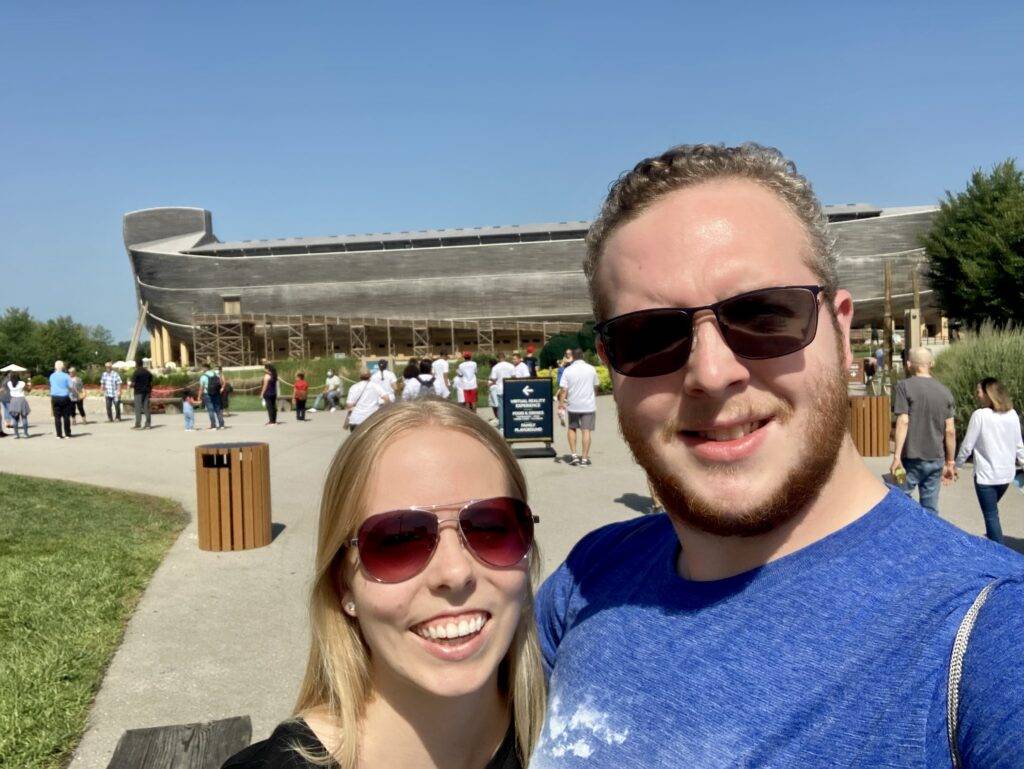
(350, 608)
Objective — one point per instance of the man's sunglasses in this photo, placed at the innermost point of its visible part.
(766, 323)
(397, 545)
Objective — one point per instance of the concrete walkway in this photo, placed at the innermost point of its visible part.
(219, 635)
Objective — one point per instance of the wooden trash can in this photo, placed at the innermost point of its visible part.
(233, 491)
(870, 424)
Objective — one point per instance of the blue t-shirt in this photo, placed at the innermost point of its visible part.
(60, 384)
(836, 655)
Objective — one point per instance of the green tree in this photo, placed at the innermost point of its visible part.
(552, 352)
(975, 249)
(63, 339)
(19, 339)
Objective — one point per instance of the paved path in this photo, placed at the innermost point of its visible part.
(220, 635)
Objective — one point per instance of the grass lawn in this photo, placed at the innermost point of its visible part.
(74, 560)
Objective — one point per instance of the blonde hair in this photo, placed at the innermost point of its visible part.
(337, 673)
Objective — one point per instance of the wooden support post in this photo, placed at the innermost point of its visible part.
(887, 331)
(452, 323)
(390, 355)
(168, 355)
(183, 350)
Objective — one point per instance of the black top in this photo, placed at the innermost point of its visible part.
(142, 381)
(275, 752)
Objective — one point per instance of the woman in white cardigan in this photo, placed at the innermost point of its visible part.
(994, 437)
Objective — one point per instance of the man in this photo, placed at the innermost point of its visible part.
(385, 380)
(226, 388)
(60, 399)
(500, 371)
(211, 386)
(440, 370)
(332, 390)
(531, 360)
(788, 610)
(577, 390)
(142, 386)
(925, 434)
(519, 369)
(465, 381)
(110, 383)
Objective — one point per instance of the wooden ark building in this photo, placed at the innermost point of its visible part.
(411, 293)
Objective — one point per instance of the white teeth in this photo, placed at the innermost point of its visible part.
(729, 433)
(464, 627)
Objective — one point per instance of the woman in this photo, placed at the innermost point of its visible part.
(18, 406)
(77, 395)
(993, 436)
(410, 381)
(268, 392)
(424, 652)
(363, 400)
(429, 384)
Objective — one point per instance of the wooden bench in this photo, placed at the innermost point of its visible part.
(182, 746)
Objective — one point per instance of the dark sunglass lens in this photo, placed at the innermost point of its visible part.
(396, 546)
(500, 530)
(648, 343)
(769, 323)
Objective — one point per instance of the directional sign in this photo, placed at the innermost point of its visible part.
(527, 410)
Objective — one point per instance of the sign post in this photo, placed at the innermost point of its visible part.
(527, 411)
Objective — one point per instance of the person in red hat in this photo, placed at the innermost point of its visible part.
(531, 360)
(465, 381)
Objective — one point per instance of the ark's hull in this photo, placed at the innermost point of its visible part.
(182, 270)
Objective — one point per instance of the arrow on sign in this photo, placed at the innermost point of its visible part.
(527, 391)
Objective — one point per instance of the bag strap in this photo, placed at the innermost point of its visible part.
(956, 670)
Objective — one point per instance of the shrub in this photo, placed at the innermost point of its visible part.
(990, 352)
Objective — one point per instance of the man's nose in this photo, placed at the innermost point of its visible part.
(713, 369)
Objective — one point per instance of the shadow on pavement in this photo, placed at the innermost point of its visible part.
(637, 502)
(275, 529)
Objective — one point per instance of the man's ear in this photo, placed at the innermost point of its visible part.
(842, 305)
(601, 352)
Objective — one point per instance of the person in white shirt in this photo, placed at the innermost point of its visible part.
(364, 398)
(465, 381)
(994, 437)
(519, 369)
(410, 381)
(429, 384)
(385, 379)
(332, 391)
(500, 371)
(577, 391)
(440, 370)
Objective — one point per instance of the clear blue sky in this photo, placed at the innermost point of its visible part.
(290, 119)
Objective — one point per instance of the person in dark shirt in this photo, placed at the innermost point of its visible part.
(424, 649)
(142, 386)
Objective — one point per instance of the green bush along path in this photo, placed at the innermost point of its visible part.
(74, 560)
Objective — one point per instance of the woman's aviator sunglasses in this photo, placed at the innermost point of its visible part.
(766, 323)
(397, 545)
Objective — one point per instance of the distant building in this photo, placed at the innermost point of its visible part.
(481, 289)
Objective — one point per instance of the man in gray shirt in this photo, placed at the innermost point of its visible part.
(925, 437)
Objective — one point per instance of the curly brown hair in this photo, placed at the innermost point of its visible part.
(689, 164)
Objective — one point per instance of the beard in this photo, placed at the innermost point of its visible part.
(820, 441)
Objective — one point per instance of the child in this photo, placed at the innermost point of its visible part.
(299, 391)
(188, 408)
